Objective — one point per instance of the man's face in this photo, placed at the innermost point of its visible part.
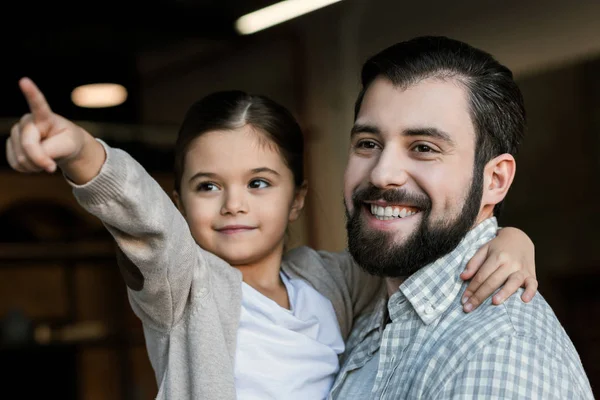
(409, 190)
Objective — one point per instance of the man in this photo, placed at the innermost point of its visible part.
(437, 125)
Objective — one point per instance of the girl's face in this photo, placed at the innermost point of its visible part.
(238, 195)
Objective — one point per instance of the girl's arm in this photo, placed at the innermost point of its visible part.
(507, 263)
(108, 183)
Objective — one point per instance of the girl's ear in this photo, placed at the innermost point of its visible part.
(298, 203)
(178, 202)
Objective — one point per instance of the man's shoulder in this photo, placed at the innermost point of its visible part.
(534, 321)
(531, 328)
(524, 340)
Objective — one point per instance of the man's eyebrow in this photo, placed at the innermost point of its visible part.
(364, 128)
(430, 132)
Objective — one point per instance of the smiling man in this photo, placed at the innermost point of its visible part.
(437, 126)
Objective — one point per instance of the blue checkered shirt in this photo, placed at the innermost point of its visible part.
(431, 349)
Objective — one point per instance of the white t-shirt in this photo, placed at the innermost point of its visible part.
(286, 354)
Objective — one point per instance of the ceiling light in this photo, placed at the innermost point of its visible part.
(277, 13)
(99, 95)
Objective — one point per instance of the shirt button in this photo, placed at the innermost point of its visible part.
(428, 309)
(202, 292)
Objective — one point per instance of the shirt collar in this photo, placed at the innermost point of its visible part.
(433, 288)
(376, 320)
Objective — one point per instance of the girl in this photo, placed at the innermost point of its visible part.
(274, 325)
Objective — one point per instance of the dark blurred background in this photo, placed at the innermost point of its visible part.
(65, 323)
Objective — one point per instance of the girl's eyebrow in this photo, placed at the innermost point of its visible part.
(203, 175)
(212, 175)
(265, 169)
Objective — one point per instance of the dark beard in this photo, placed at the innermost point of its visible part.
(375, 252)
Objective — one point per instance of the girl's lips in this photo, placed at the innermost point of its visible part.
(231, 229)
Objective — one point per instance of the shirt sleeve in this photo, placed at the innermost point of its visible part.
(365, 289)
(156, 251)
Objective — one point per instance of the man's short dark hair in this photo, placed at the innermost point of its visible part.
(496, 103)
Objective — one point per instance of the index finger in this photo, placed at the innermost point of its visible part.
(35, 98)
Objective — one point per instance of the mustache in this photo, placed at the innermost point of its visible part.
(397, 196)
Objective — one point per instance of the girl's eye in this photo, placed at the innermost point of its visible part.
(207, 187)
(258, 184)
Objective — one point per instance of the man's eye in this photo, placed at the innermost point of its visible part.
(366, 144)
(423, 148)
(258, 184)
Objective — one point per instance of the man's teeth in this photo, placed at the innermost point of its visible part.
(386, 213)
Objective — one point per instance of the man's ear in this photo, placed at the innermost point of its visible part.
(498, 176)
(298, 202)
(178, 202)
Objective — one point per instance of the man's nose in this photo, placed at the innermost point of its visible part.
(390, 170)
(234, 202)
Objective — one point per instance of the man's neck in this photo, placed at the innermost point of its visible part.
(393, 284)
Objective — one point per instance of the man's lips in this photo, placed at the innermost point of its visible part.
(231, 229)
(382, 210)
(384, 204)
